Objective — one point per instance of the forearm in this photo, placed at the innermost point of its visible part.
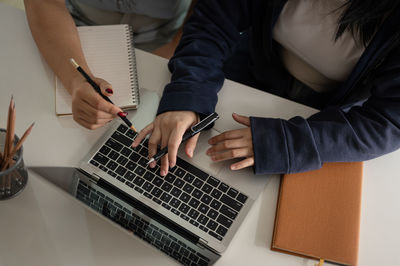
(56, 36)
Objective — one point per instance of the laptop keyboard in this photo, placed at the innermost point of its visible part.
(139, 226)
(188, 192)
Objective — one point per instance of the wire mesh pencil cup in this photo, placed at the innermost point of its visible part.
(13, 179)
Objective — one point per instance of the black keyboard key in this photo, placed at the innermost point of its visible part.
(111, 173)
(156, 192)
(122, 160)
(126, 152)
(198, 183)
(189, 178)
(193, 222)
(234, 204)
(130, 134)
(233, 192)
(144, 152)
(170, 178)
(148, 176)
(121, 170)
(175, 202)
(223, 187)
(166, 187)
(101, 159)
(193, 214)
(206, 188)
(139, 171)
(224, 221)
(129, 176)
(166, 206)
(216, 193)
(157, 200)
(138, 189)
(193, 257)
(230, 213)
(194, 203)
(179, 183)
(222, 230)
(202, 219)
(176, 192)
(192, 169)
(157, 181)
(147, 186)
(179, 172)
(143, 162)
(148, 195)
(121, 138)
(134, 157)
(206, 199)
(211, 233)
(122, 128)
(94, 163)
(215, 204)
(242, 198)
(102, 167)
(138, 181)
(203, 228)
(166, 197)
(197, 193)
(113, 144)
(184, 217)
(203, 208)
(112, 165)
(184, 208)
(202, 262)
(113, 155)
(188, 188)
(175, 212)
(212, 225)
(129, 184)
(212, 214)
(184, 197)
(213, 181)
(105, 150)
(130, 165)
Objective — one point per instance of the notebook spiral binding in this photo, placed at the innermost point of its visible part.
(132, 65)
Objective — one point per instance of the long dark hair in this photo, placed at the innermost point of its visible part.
(361, 17)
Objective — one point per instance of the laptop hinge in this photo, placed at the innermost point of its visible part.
(94, 177)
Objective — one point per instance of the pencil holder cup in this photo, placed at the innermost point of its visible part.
(14, 179)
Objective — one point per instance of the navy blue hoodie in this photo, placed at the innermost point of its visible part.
(342, 131)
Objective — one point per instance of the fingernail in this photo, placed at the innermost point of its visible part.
(162, 172)
(108, 90)
(153, 164)
(123, 114)
(233, 167)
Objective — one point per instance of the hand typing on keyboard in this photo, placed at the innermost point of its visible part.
(168, 129)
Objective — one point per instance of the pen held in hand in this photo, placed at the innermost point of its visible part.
(203, 124)
(96, 87)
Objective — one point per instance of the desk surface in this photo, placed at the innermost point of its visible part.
(45, 227)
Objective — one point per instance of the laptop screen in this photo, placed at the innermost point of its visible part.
(123, 210)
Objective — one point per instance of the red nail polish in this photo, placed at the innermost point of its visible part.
(108, 90)
(123, 114)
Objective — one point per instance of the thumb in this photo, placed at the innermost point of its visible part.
(191, 145)
(244, 120)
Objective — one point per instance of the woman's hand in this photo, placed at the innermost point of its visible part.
(167, 129)
(234, 144)
(89, 109)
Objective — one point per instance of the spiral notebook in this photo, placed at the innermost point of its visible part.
(110, 54)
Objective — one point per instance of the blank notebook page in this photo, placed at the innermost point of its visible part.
(110, 55)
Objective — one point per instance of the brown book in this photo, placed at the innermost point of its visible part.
(318, 213)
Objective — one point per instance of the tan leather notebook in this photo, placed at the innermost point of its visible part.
(318, 213)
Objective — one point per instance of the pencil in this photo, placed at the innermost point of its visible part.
(98, 90)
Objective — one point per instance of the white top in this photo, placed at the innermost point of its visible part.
(306, 30)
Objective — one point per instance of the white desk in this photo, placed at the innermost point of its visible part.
(44, 227)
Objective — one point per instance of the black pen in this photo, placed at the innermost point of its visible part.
(98, 90)
(188, 134)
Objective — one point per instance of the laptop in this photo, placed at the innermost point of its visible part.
(191, 214)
